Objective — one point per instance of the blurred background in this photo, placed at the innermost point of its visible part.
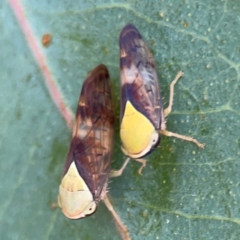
(185, 192)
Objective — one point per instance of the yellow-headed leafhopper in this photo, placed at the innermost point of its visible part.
(142, 117)
(87, 167)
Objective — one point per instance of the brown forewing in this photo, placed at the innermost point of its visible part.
(139, 81)
(92, 140)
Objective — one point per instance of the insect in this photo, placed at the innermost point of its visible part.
(86, 171)
(142, 117)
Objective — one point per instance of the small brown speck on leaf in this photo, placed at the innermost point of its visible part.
(46, 39)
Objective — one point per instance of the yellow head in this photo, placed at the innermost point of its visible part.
(75, 198)
(137, 133)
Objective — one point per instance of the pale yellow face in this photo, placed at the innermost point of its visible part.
(137, 133)
(75, 198)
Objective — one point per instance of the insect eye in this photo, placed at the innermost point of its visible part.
(91, 208)
(155, 140)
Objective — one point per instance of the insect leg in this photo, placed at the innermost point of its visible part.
(117, 173)
(143, 161)
(169, 108)
(121, 227)
(186, 138)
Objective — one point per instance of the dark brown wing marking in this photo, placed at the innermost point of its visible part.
(92, 140)
(139, 81)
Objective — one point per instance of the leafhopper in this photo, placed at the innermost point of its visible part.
(142, 117)
(87, 167)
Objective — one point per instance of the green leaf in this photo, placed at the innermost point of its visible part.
(185, 192)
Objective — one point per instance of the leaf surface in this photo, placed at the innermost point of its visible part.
(185, 192)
